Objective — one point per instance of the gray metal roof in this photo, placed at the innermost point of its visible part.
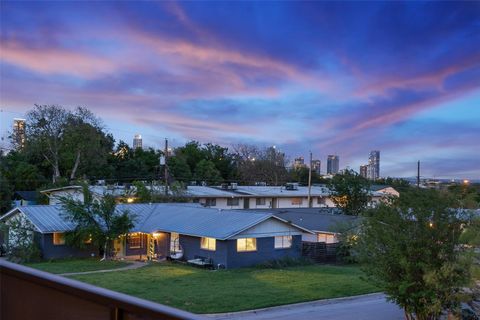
(255, 191)
(183, 218)
(317, 219)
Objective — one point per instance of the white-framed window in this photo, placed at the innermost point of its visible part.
(260, 201)
(297, 201)
(232, 201)
(208, 243)
(135, 240)
(321, 200)
(58, 238)
(174, 242)
(246, 244)
(210, 202)
(283, 242)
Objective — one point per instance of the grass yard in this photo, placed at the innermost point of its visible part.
(204, 291)
(76, 265)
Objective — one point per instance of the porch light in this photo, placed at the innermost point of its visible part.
(156, 234)
(130, 200)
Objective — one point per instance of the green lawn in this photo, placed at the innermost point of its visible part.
(204, 291)
(76, 265)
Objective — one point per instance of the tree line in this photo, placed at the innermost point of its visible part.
(63, 146)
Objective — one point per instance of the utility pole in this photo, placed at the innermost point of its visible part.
(166, 168)
(418, 174)
(310, 182)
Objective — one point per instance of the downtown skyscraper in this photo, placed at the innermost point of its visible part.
(373, 169)
(333, 164)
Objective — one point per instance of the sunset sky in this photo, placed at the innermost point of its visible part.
(331, 77)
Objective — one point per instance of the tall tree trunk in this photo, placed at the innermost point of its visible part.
(104, 251)
(75, 166)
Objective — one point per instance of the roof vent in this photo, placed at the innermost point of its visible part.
(224, 185)
(233, 186)
(291, 186)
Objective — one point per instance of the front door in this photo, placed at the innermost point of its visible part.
(246, 203)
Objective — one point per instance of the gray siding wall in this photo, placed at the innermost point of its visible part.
(191, 248)
(227, 255)
(51, 251)
(265, 251)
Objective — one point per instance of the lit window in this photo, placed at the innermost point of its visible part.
(260, 201)
(297, 201)
(208, 244)
(211, 202)
(135, 240)
(174, 242)
(326, 237)
(58, 238)
(246, 244)
(283, 242)
(232, 202)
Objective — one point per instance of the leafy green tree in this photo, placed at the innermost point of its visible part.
(95, 220)
(21, 246)
(179, 169)
(192, 153)
(410, 248)
(131, 165)
(6, 193)
(206, 171)
(85, 146)
(350, 191)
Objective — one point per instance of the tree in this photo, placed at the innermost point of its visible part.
(206, 171)
(131, 165)
(179, 169)
(261, 165)
(45, 127)
(350, 191)
(410, 248)
(20, 241)
(95, 220)
(85, 147)
(5, 195)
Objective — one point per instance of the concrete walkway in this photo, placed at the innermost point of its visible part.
(365, 307)
(131, 266)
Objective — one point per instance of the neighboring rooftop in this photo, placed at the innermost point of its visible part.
(316, 219)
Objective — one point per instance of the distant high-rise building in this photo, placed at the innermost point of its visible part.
(333, 164)
(137, 142)
(299, 163)
(316, 164)
(373, 171)
(364, 170)
(18, 134)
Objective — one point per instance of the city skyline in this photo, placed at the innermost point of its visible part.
(406, 83)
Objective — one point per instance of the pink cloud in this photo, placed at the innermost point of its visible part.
(55, 60)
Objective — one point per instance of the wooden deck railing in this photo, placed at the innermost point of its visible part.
(26, 293)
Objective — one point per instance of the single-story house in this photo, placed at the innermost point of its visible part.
(226, 238)
(226, 196)
(235, 196)
(121, 193)
(324, 222)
